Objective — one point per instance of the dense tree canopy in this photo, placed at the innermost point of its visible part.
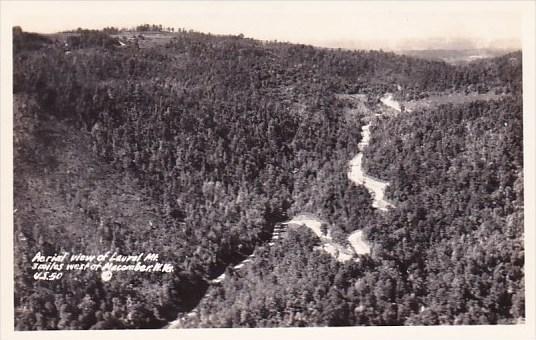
(218, 138)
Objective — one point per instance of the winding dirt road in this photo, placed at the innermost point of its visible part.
(358, 176)
(358, 244)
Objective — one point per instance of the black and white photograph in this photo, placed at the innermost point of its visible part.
(266, 165)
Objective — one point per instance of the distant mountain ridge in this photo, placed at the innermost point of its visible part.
(456, 56)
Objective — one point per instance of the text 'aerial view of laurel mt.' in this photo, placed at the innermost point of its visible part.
(168, 178)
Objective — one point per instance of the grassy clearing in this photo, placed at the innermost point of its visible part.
(453, 98)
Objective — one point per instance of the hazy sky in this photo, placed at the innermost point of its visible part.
(351, 24)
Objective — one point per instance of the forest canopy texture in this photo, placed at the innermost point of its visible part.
(198, 147)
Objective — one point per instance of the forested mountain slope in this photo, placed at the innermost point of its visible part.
(226, 136)
(69, 200)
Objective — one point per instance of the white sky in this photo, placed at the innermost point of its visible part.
(361, 24)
